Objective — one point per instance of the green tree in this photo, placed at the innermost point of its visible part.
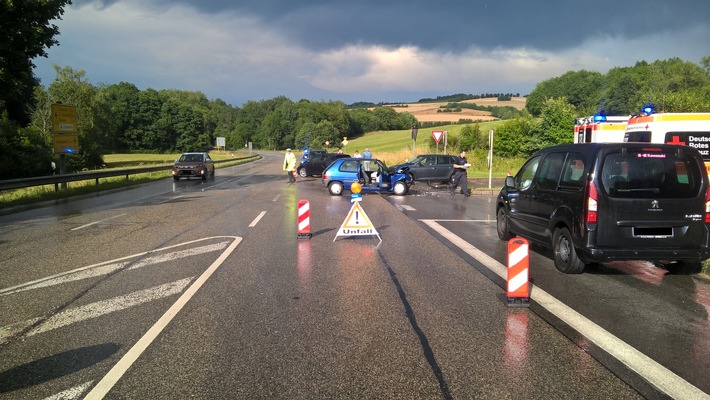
(27, 34)
(514, 137)
(623, 87)
(25, 151)
(557, 124)
(584, 90)
(470, 138)
(705, 64)
(122, 99)
(143, 126)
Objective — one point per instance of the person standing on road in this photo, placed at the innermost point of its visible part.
(367, 153)
(357, 154)
(460, 177)
(290, 165)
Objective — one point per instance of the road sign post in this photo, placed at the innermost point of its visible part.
(490, 158)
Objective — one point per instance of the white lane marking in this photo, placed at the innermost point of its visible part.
(118, 370)
(171, 199)
(104, 269)
(257, 219)
(72, 393)
(408, 207)
(97, 222)
(278, 196)
(103, 307)
(11, 329)
(659, 376)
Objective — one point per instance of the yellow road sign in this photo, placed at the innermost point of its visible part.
(64, 119)
(66, 144)
(357, 224)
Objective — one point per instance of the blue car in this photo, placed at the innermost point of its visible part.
(371, 173)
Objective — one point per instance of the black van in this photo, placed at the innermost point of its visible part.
(597, 202)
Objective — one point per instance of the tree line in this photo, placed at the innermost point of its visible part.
(671, 85)
(121, 118)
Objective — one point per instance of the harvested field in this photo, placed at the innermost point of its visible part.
(425, 112)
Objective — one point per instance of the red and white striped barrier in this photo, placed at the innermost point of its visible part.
(304, 219)
(518, 293)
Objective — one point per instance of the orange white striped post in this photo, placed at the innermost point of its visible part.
(518, 293)
(304, 219)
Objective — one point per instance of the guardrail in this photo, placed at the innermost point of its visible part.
(89, 175)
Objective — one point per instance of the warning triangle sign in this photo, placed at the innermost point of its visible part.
(357, 224)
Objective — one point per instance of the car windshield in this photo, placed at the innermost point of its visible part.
(416, 160)
(647, 173)
(190, 158)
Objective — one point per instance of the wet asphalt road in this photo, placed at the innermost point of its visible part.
(192, 289)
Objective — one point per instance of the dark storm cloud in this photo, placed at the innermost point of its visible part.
(450, 25)
(367, 50)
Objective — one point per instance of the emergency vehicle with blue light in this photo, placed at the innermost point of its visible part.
(599, 129)
(687, 129)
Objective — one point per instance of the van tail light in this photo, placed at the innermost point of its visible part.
(707, 206)
(591, 217)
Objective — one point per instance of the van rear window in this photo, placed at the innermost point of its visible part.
(645, 174)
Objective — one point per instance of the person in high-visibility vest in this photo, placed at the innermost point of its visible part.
(290, 165)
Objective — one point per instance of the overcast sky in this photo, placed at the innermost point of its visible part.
(366, 50)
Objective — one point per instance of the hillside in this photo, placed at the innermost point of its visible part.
(425, 112)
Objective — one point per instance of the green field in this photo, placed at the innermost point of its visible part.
(394, 147)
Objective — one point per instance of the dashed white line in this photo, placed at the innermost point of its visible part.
(408, 207)
(257, 219)
(98, 222)
(658, 375)
(171, 199)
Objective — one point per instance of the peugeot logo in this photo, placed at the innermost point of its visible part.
(654, 205)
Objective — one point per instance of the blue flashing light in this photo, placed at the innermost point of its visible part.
(600, 117)
(648, 109)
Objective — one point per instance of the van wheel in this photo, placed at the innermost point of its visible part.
(566, 259)
(503, 224)
(683, 267)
